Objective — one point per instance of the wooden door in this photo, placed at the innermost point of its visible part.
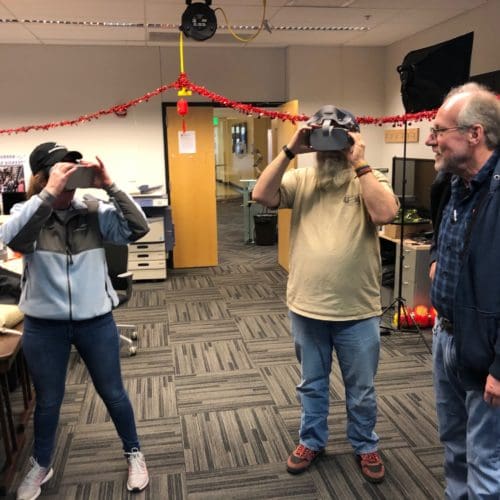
(282, 131)
(192, 189)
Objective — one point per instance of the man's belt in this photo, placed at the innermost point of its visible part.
(446, 324)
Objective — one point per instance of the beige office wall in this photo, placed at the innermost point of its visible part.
(365, 81)
(42, 84)
(239, 73)
(47, 83)
(483, 21)
(350, 78)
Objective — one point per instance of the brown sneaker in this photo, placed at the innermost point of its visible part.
(371, 466)
(301, 458)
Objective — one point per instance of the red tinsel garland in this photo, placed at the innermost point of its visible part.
(119, 109)
(183, 82)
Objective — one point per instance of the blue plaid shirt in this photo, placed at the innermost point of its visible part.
(452, 234)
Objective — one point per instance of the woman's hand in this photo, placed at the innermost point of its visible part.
(58, 177)
(101, 176)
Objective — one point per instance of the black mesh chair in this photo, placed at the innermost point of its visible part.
(117, 260)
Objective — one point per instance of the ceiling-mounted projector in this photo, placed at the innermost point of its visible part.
(199, 21)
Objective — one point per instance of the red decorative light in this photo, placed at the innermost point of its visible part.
(421, 315)
(182, 109)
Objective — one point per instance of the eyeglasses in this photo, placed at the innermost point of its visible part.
(441, 130)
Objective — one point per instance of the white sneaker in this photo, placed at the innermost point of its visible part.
(30, 487)
(138, 477)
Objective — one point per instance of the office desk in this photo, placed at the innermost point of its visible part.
(13, 421)
(13, 425)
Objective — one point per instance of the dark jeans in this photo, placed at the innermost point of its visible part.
(46, 346)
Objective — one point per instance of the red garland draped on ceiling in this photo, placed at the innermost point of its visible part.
(183, 82)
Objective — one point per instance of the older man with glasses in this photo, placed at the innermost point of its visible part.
(465, 291)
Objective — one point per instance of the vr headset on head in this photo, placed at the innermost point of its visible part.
(332, 136)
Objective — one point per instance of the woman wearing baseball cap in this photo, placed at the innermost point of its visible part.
(67, 298)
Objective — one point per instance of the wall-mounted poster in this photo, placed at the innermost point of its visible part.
(12, 181)
(12, 174)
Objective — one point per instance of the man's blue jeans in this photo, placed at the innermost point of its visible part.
(46, 347)
(469, 428)
(357, 345)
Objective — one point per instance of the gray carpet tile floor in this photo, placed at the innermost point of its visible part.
(213, 389)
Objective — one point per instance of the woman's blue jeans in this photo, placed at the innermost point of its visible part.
(46, 347)
(469, 428)
(357, 345)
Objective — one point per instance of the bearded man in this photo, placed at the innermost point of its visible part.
(333, 290)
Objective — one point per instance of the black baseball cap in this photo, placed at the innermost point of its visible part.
(48, 154)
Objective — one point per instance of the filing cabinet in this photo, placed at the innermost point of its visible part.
(415, 286)
(147, 258)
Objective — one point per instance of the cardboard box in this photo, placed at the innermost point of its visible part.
(394, 230)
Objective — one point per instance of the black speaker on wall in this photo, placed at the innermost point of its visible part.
(428, 74)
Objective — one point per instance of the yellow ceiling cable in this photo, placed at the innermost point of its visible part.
(183, 91)
(262, 24)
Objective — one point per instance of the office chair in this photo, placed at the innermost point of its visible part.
(121, 279)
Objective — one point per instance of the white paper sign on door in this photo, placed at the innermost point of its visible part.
(187, 142)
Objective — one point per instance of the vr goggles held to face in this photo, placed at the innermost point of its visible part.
(332, 136)
(82, 177)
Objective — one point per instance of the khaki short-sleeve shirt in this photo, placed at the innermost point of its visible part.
(335, 268)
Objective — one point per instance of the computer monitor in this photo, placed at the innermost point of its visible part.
(420, 174)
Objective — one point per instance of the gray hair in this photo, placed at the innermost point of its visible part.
(481, 107)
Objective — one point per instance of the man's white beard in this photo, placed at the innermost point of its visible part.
(332, 170)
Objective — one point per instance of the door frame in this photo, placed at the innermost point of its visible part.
(169, 104)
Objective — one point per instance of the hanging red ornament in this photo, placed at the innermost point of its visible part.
(182, 109)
